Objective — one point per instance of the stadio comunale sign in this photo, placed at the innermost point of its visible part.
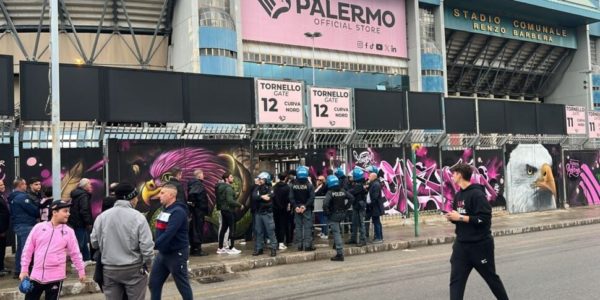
(508, 27)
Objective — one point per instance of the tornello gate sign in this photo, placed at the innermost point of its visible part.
(362, 26)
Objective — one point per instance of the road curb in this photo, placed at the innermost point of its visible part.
(216, 269)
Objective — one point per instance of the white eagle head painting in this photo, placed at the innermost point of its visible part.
(530, 181)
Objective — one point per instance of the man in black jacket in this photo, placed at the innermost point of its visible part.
(198, 201)
(282, 211)
(474, 245)
(4, 226)
(34, 190)
(81, 216)
(264, 215)
(375, 202)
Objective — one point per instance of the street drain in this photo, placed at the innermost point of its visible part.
(212, 279)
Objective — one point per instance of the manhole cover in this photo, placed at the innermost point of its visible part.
(207, 280)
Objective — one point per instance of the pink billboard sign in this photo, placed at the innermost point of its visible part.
(362, 26)
(575, 119)
(330, 108)
(594, 123)
(280, 102)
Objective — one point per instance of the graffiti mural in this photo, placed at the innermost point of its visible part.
(582, 174)
(532, 177)
(77, 163)
(435, 189)
(7, 166)
(147, 164)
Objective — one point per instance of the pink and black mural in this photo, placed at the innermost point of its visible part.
(435, 189)
(7, 165)
(147, 165)
(582, 170)
(532, 177)
(77, 163)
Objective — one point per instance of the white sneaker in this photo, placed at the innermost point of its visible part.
(243, 243)
(282, 246)
(221, 251)
(324, 237)
(89, 263)
(233, 251)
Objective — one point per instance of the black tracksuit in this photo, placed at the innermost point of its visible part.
(474, 245)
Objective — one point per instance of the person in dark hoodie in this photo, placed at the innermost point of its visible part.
(172, 243)
(24, 214)
(359, 207)
(335, 205)
(474, 244)
(264, 215)
(81, 216)
(281, 211)
(198, 201)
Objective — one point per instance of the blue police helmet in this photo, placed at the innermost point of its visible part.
(339, 172)
(372, 169)
(332, 181)
(25, 287)
(265, 176)
(302, 172)
(358, 174)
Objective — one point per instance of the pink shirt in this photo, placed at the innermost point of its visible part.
(49, 246)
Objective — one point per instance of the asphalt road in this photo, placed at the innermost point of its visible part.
(556, 264)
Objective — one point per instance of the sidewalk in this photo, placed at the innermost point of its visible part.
(398, 234)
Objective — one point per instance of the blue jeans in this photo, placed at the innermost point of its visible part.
(323, 220)
(83, 239)
(175, 264)
(264, 224)
(336, 229)
(377, 228)
(303, 230)
(22, 232)
(358, 226)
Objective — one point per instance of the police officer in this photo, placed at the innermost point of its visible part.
(302, 198)
(474, 245)
(263, 222)
(336, 204)
(359, 207)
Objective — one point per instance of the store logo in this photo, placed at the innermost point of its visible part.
(275, 8)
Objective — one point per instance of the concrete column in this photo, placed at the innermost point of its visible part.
(236, 14)
(440, 38)
(414, 44)
(570, 88)
(185, 43)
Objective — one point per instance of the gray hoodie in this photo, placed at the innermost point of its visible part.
(123, 236)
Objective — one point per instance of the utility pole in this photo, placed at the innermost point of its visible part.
(313, 36)
(414, 187)
(55, 98)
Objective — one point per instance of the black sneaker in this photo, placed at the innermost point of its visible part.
(310, 249)
(338, 258)
(362, 244)
(15, 276)
(273, 252)
(351, 242)
(198, 253)
(257, 253)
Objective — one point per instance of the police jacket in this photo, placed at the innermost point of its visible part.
(262, 206)
(337, 201)
(473, 203)
(23, 211)
(357, 189)
(197, 195)
(302, 193)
